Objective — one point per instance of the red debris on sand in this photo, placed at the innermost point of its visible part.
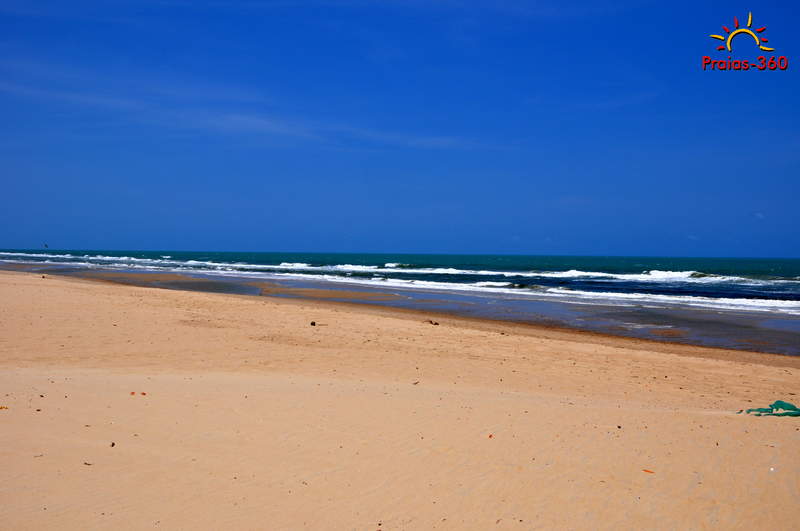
(143, 394)
(133, 393)
(648, 471)
(491, 435)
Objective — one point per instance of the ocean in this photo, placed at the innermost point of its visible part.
(723, 283)
(746, 291)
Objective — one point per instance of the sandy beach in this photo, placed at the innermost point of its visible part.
(131, 407)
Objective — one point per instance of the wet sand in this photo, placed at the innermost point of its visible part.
(245, 416)
(275, 289)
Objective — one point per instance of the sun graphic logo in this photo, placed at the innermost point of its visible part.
(743, 31)
(761, 64)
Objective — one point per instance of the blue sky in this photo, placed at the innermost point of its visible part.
(416, 126)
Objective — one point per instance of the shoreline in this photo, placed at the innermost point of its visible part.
(366, 300)
(497, 326)
(700, 320)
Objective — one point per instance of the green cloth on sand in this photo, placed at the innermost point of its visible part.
(779, 408)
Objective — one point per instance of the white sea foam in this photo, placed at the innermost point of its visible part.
(654, 275)
(579, 297)
(36, 255)
(722, 303)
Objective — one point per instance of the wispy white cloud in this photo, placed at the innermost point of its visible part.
(166, 106)
(147, 84)
(398, 139)
(94, 11)
(80, 98)
(239, 123)
(621, 100)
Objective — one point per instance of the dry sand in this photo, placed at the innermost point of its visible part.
(374, 419)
